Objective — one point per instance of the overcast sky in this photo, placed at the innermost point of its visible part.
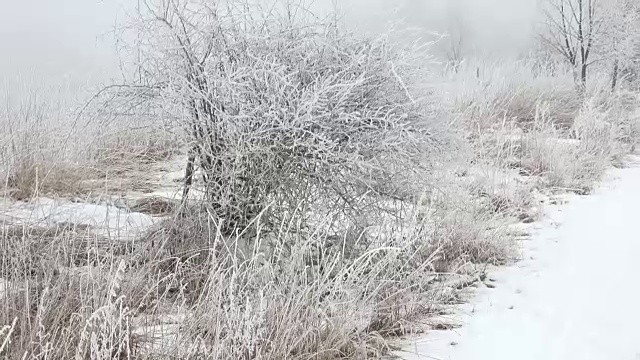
(502, 26)
(62, 44)
(65, 44)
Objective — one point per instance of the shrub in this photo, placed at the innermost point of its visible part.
(284, 114)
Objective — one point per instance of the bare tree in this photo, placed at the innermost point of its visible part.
(622, 36)
(586, 32)
(573, 26)
(454, 53)
(456, 36)
(281, 111)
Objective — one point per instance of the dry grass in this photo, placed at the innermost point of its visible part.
(48, 152)
(293, 295)
(129, 150)
(511, 94)
(574, 158)
(51, 162)
(60, 288)
(155, 206)
(28, 179)
(542, 127)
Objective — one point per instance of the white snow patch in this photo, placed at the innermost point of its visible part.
(574, 295)
(106, 220)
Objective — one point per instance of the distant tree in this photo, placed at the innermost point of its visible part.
(573, 26)
(622, 35)
(454, 53)
(586, 32)
(455, 45)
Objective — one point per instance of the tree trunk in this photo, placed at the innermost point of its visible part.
(614, 77)
(583, 76)
(188, 177)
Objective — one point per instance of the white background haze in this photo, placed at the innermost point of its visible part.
(67, 47)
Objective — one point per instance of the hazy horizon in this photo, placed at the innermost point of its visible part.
(69, 48)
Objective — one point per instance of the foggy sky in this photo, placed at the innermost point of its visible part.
(65, 44)
(58, 45)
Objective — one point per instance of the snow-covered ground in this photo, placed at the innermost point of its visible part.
(574, 296)
(108, 216)
(105, 219)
